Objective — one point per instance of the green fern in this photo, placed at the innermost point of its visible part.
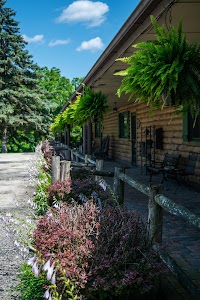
(168, 65)
(89, 105)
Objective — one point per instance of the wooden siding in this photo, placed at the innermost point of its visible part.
(172, 125)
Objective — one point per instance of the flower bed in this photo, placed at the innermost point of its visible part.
(91, 251)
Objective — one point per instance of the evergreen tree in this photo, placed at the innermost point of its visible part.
(21, 102)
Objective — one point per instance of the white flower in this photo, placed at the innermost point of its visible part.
(46, 294)
(35, 269)
(102, 185)
(53, 279)
(46, 265)
(50, 272)
(16, 243)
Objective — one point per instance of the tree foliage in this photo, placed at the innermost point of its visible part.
(21, 103)
(57, 87)
(166, 67)
(76, 81)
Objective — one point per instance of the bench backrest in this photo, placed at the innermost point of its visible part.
(171, 160)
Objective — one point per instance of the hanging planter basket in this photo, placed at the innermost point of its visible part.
(91, 106)
(167, 69)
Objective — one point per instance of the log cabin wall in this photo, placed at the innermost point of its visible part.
(172, 125)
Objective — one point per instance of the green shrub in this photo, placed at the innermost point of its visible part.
(31, 287)
(40, 199)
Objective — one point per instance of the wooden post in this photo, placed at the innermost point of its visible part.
(67, 154)
(65, 170)
(77, 158)
(118, 186)
(65, 136)
(89, 138)
(84, 139)
(155, 217)
(72, 155)
(99, 167)
(68, 135)
(55, 168)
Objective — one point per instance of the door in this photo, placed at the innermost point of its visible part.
(133, 138)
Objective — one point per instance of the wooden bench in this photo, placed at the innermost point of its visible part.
(102, 151)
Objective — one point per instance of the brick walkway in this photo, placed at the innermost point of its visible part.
(185, 239)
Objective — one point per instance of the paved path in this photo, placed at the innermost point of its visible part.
(14, 187)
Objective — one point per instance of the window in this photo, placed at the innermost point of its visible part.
(191, 131)
(97, 129)
(124, 124)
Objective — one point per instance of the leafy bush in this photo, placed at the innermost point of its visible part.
(123, 262)
(67, 235)
(40, 179)
(47, 153)
(31, 287)
(59, 191)
(67, 190)
(104, 253)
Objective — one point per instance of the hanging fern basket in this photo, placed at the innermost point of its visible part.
(89, 106)
(165, 69)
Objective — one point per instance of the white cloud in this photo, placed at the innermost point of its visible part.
(36, 39)
(91, 45)
(86, 11)
(58, 43)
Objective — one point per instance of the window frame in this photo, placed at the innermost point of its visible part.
(124, 125)
(187, 137)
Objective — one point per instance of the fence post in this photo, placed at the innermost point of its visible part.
(67, 154)
(55, 168)
(99, 167)
(155, 215)
(77, 158)
(72, 155)
(118, 186)
(65, 170)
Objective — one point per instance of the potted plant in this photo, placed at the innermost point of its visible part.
(163, 69)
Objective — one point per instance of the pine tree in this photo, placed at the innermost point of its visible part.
(21, 101)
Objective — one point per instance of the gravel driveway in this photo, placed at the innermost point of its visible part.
(15, 190)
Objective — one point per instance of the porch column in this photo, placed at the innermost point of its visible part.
(89, 138)
(65, 136)
(68, 135)
(84, 139)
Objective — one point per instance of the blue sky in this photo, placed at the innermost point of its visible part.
(70, 35)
